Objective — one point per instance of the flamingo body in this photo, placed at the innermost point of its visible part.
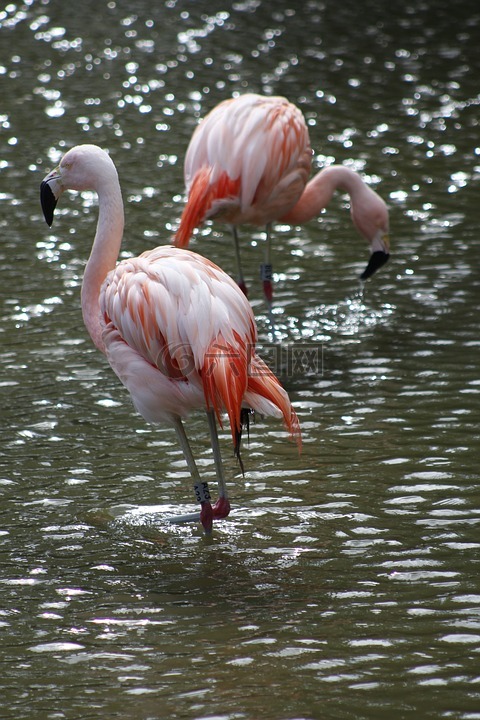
(249, 161)
(180, 335)
(177, 331)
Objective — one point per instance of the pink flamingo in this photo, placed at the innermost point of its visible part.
(177, 331)
(249, 161)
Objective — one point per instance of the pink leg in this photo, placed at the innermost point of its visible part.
(243, 287)
(268, 290)
(202, 492)
(266, 276)
(222, 506)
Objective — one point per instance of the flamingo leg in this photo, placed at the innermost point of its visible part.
(222, 507)
(266, 274)
(201, 488)
(241, 279)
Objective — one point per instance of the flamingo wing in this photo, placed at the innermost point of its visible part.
(182, 323)
(171, 303)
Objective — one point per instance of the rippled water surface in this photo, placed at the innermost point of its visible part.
(345, 583)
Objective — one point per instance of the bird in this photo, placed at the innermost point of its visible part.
(175, 328)
(249, 162)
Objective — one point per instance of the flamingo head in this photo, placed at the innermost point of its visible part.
(81, 168)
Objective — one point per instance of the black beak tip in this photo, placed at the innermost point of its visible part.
(377, 260)
(48, 202)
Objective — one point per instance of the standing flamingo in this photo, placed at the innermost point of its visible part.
(249, 161)
(177, 331)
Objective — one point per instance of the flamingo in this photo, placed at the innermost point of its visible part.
(248, 162)
(176, 330)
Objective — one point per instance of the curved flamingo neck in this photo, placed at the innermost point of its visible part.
(104, 253)
(319, 191)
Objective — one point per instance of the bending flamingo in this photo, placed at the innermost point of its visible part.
(177, 331)
(249, 161)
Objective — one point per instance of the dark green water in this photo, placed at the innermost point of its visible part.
(345, 583)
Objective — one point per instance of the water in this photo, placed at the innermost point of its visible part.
(345, 583)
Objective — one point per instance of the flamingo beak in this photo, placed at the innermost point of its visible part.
(48, 196)
(379, 256)
(377, 259)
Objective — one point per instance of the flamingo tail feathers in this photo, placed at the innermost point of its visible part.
(225, 383)
(262, 382)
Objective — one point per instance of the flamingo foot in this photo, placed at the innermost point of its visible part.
(206, 516)
(221, 508)
(202, 493)
(268, 290)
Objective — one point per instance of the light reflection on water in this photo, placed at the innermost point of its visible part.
(345, 583)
